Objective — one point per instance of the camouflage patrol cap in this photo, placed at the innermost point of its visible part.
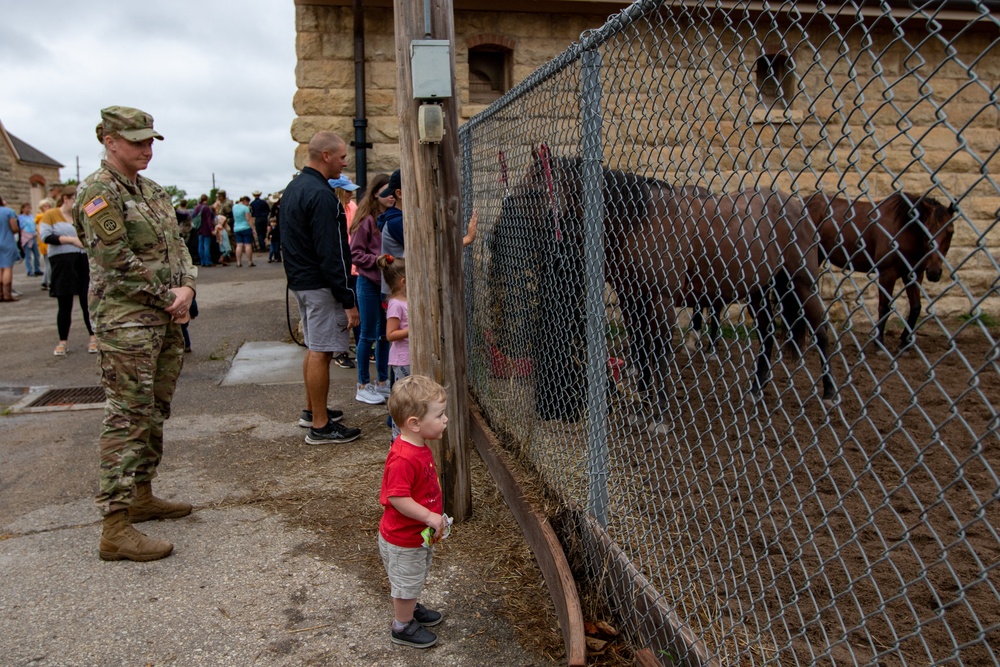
(128, 123)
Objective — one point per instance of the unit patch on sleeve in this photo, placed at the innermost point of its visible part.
(108, 227)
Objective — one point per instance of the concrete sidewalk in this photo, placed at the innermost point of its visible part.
(276, 566)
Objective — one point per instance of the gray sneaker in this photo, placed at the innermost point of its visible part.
(414, 635)
(331, 434)
(368, 394)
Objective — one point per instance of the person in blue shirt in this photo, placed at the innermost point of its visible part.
(29, 241)
(9, 254)
(243, 231)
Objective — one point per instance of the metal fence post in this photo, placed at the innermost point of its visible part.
(593, 223)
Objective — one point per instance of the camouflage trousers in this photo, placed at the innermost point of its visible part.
(139, 371)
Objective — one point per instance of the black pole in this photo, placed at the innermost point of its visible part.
(360, 142)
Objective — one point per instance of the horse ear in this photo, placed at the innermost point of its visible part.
(953, 209)
(534, 152)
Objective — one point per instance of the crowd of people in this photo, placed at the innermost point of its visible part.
(224, 231)
(121, 250)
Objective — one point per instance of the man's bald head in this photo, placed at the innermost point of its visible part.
(327, 154)
(324, 141)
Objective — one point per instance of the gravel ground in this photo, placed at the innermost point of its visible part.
(276, 566)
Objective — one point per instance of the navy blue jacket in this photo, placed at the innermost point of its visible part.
(391, 222)
(259, 209)
(314, 237)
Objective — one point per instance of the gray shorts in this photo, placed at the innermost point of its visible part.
(324, 322)
(407, 568)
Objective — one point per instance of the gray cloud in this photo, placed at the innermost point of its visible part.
(218, 77)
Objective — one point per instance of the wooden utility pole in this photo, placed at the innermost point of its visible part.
(433, 229)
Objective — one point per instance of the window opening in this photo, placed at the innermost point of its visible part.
(489, 74)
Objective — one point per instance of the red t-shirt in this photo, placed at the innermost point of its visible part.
(409, 473)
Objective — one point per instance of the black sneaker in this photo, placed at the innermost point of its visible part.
(414, 635)
(332, 433)
(426, 617)
(344, 361)
(306, 417)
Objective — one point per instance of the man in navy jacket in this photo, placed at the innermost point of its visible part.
(317, 261)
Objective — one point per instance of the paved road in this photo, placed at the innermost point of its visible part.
(257, 577)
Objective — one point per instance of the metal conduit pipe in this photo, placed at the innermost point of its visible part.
(360, 142)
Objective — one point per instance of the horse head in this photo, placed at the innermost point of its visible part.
(938, 225)
(626, 196)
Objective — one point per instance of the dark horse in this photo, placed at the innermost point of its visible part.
(903, 236)
(668, 247)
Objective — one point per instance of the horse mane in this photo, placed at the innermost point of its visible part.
(626, 198)
(922, 205)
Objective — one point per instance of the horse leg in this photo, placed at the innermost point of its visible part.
(760, 304)
(713, 327)
(635, 310)
(906, 339)
(886, 285)
(792, 312)
(815, 315)
(694, 333)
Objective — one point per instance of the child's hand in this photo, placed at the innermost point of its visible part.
(436, 521)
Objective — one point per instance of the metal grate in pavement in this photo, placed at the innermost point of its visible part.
(70, 398)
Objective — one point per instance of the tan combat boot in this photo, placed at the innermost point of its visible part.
(120, 541)
(146, 507)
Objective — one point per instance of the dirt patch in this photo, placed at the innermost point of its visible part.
(783, 531)
(862, 531)
(343, 513)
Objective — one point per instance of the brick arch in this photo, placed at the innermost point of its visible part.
(490, 39)
(37, 179)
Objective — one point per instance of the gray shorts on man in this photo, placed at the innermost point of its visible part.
(324, 322)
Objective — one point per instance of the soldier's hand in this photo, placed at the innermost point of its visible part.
(182, 302)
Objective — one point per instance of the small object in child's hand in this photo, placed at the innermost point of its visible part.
(429, 535)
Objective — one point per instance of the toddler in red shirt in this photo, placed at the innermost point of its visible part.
(411, 498)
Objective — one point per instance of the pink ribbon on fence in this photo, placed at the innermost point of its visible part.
(545, 155)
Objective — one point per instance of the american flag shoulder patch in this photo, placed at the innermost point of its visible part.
(94, 205)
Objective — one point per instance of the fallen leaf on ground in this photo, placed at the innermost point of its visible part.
(596, 646)
(607, 628)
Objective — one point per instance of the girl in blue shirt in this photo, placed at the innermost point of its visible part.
(29, 241)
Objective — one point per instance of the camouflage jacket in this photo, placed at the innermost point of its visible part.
(135, 249)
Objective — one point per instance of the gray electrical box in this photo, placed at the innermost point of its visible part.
(430, 68)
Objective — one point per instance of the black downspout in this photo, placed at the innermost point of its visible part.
(360, 142)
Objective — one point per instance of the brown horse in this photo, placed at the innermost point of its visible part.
(903, 236)
(668, 247)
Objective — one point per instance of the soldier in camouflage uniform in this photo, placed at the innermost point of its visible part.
(141, 287)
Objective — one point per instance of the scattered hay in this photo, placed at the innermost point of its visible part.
(505, 580)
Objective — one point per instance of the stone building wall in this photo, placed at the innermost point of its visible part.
(325, 69)
(22, 182)
(890, 116)
(869, 122)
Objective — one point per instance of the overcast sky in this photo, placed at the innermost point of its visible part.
(217, 76)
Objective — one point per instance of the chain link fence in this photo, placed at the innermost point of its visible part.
(695, 225)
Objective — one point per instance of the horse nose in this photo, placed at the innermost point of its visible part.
(934, 275)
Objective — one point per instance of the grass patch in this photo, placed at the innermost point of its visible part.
(981, 318)
(739, 332)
